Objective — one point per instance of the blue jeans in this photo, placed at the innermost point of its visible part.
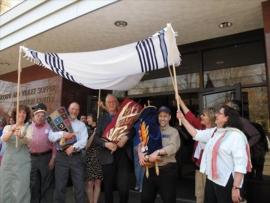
(139, 171)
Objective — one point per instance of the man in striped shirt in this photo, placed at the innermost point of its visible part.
(42, 158)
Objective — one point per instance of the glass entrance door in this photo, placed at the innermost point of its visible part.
(215, 97)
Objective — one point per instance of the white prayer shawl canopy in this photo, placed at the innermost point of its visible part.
(119, 68)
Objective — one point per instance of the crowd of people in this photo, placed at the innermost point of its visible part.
(34, 169)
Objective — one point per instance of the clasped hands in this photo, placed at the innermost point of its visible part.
(68, 136)
(113, 146)
(143, 159)
(16, 130)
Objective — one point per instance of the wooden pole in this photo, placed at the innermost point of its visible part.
(171, 75)
(18, 89)
(170, 60)
(99, 95)
(176, 91)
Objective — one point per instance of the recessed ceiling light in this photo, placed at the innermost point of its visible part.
(225, 24)
(120, 23)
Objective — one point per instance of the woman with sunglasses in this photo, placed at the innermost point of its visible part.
(205, 120)
(226, 157)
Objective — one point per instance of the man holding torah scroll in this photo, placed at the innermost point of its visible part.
(70, 159)
(112, 134)
(164, 182)
(149, 133)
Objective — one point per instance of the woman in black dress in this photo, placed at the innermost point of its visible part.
(93, 167)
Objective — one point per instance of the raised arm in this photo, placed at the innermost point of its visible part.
(183, 105)
(191, 130)
(191, 118)
(198, 135)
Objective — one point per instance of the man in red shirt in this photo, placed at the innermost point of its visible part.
(42, 158)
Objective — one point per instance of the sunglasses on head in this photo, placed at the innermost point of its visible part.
(203, 114)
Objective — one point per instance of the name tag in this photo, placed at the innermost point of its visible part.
(46, 131)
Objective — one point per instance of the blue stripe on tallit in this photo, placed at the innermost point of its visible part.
(147, 55)
(60, 65)
(143, 56)
(57, 62)
(54, 62)
(149, 51)
(152, 55)
(139, 54)
(47, 61)
(35, 56)
(154, 52)
(163, 48)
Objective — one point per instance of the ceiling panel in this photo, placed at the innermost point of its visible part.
(194, 20)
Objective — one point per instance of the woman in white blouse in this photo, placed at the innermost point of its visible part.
(226, 156)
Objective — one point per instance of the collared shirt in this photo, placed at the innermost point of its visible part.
(232, 155)
(80, 131)
(40, 141)
(170, 143)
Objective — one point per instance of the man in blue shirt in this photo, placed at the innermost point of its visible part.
(70, 159)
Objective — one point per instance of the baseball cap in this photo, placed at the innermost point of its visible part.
(164, 109)
(40, 107)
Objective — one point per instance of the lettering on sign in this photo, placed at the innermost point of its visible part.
(47, 91)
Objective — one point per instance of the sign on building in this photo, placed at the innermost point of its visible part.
(47, 91)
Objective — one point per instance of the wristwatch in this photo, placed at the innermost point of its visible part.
(146, 157)
(75, 149)
(236, 188)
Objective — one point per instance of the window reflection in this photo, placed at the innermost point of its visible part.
(252, 74)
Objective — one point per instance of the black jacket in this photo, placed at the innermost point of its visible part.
(104, 155)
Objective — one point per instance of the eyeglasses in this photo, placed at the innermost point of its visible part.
(219, 113)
